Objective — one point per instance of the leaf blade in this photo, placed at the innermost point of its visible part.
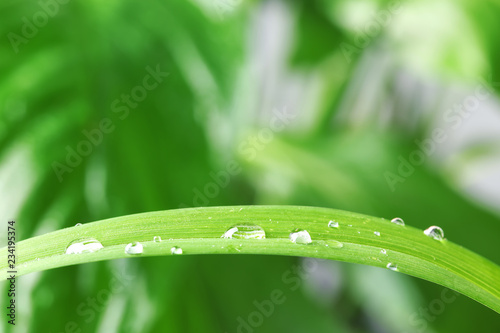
(199, 230)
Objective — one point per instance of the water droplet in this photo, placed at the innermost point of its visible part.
(335, 244)
(383, 251)
(157, 239)
(392, 267)
(435, 232)
(376, 233)
(210, 217)
(398, 221)
(300, 237)
(84, 246)
(78, 225)
(349, 225)
(176, 250)
(134, 248)
(245, 232)
(333, 224)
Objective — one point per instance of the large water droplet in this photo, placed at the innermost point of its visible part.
(333, 224)
(176, 250)
(300, 237)
(376, 233)
(435, 232)
(134, 248)
(84, 246)
(157, 239)
(245, 232)
(392, 267)
(398, 221)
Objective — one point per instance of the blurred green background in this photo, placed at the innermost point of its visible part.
(119, 107)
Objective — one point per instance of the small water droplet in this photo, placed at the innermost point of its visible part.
(335, 244)
(84, 246)
(349, 225)
(245, 232)
(300, 237)
(392, 267)
(176, 250)
(376, 233)
(134, 248)
(157, 239)
(78, 225)
(383, 251)
(398, 221)
(435, 232)
(210, 217)
(333, 224)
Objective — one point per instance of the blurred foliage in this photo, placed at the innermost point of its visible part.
(64, 79)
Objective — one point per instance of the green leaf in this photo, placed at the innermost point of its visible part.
(199, 231)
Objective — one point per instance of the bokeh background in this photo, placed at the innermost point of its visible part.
(387, 108)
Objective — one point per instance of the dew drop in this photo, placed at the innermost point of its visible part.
(157, 239)
(435, 232)
(245, 232)
(392, 267)
(134, 248)
(333, 224)
(383, 251)
(84, 246)
(398, 221)
(176, 250)
(78, 225)
(300, 237)
(376, 233)
(335, 244)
